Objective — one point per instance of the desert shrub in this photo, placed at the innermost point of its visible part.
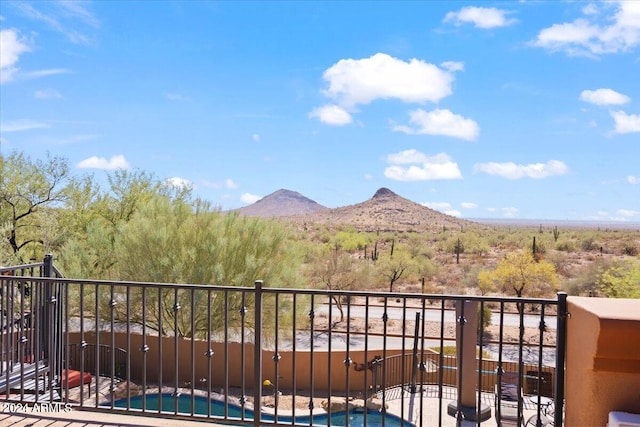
(620, 280)
(585, 281)
(566, 246)
(561, 262)
(486, 315)
(630, 249)
(589, 244)
(541, 247)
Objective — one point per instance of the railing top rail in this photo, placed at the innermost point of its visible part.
(20, 267)
(299, 291)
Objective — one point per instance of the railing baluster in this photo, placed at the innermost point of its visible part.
(243, 360)
(479, 419)
(561, 347)
(311, 354)
(441, 363)
(366, 355)
(128, 356)
(329, 358)
(97, 331)
(160, 341)
(145, 349)
(257, 355)
(294, 378)
(209, 353)
(193, 351)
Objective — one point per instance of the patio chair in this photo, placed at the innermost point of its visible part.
(72, 378)
(508, 396)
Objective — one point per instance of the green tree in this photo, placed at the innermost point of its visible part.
(392, 269)
(337, 270)
(170, 240)
(28, 190)
(620, 280)
(518, 273)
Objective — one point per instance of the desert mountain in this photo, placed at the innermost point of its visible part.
(386, 211)
(282, 203)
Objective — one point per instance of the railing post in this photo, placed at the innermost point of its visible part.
(46, 323)
(257, 355)
(561, 347)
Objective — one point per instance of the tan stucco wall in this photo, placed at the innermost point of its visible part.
(603, 359)
(299, 376)
(228, 358)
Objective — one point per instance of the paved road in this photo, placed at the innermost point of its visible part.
(434, 315)
(375, 344)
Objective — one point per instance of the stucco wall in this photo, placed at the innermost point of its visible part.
(603, 359)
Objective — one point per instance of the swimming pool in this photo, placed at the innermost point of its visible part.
(167, 402)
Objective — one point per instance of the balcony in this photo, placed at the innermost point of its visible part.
(259, 355)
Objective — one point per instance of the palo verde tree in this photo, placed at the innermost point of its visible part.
(171, 240)
(29, 189)
(335, 269)
(620, 280)
(393, 268)
(520, 274)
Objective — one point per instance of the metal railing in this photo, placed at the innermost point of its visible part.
(206, 352)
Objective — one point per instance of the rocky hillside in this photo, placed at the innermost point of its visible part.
(282, 203)
(385, 211)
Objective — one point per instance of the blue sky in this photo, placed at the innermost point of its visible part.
(526, 110)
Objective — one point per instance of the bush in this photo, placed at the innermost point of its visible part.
(589, 244)
(630, 249)
(566, 246)
(486, 315)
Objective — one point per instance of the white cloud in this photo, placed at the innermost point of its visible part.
(511, 170)
(590, 9)
(45, 73)
(249, 198)
(443, 207)
(331, 115)
(62, 16)
(510, 212)
(436, 167)
(47, 94)
(255, 137)
(11, 46)
(412, 156)
(604, 97)
(480, 17)
(440, 122)
(227, 183)
(368, 176)
(627, 213)
(361, 81)
(468, 205)
(633, 179)
(230, 184)
(22, 125)
(595, 34)
(177, 182)
(95, 162)
(453, 66)
(626, 123)
(439, 206)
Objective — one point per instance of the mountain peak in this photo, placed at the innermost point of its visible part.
(282, 203)
(384, 192)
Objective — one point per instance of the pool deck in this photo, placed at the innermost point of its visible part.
(83, 418)
(400, 403)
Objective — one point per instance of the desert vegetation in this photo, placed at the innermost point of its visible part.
(140, 228)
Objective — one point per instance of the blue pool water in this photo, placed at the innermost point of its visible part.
(168, 401)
